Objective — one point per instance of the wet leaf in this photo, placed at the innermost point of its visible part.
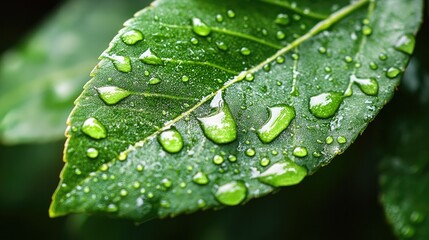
(204, 88)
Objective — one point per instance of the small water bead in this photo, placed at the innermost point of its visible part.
(166, 182)
(185, 78)
(136, 184)
(382, 57)
(274, 152)
(280, 59)
(232, 158)
(182, 185)
(249, 77)
(232, 193)
(164, 203)
(373, 65)
(325, 105)
(201, 203)
(217, 159)
(121, 63)
(267, 67)
(150, 57)
(282, 174)
(296, 17)
(348, 59)
(295, 56)
(200, 178)
(245, 51)
(341, 140)
(92, 153)
(282, 19)
(194, 41)
(171, 140)
(200, 28)
(392, 72)
(264, 32)
(328, 69)
(104, 167)
(219, 18)
(86, 189)
(322, 50)
(112, 208)
(406, 44)
(366, 30)
(264, 162)
(222, 46)
(132, 37)
(280, 35)
(300, 152)
(279, 119)
(250, 152)
(123, 193)
(112, 95)
(150, 195)
(77, 171)
(329, 140)
(230, 13)
(146, 73)
(317, 154)
(139, 167)
(154, 81)
(93, 128)
(220, 126)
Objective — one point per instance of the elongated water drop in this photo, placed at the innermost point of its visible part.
(112, 95)
(93, 128)
(283, 174)
(220, 126)
(369, 86)
(121, 63)
(406, 43)
(280, 117)
(150, 57)
(282, 19)
(232, 193)
(200, 28)
(171, 140)
(325, 105)
(132, 37)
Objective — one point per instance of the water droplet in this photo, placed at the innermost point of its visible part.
(194, 41)
(249, 77)
(373, 65)
(222, 46)
(132, 37)
(112, 95)
(219, 18)
(407, 231)
(366, 30)
(322, 50)
(250, 152)
(329, 140)
(220, 126)
(86, 190)
(123, 193)
(136, 184)
(185, 78)
(282, 19)
(164, 203)
(283, 174)
(348, 59)
(267, 67)
(232, 158)
(328, 69)
(300, 152)
(171, 140)
(121, 63)
(382, 57)
(217, 159)
(392, 72)
(264, 162)
(369, 86)
(93, 128)
(230, 13)
(92, 153)
(279, 119)
(77, 171)
(112, 208)
(317, 154)
(200, 178)
(150, 57)
(154, 81)
(325, 105)
(296, 17)
(417, 217)
(139, 167)
(200, 28)
(146, 73)
(245, 51)
(406, 44)
(280, 59)
(280, 35)
(341, 140)
(232, 193)
(166, 182)
(201, 203)
(295, 56)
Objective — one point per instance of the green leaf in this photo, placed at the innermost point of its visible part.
(44, 74)
(199, 127)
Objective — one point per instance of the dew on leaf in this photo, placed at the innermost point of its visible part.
(123, 193)
(341, 139)
(217, 159)
(322, 50)
(131, 37)
(249, 77)
(220, 126)
(417, 217)
(121, 63)
(295, 56)
(348, 59)
(280, 35)
(280, 59)
(104, 167)
(150, 57)
(201, 203)
(77, 171)
(139, 167)
(282, 19)
(232, 193)
(382, 56)
(264, 162)
(325, 105)
(185, 78)
(232, 158)
(219, 18)
(406, 44)
(279, 119)
(230, 13)
(392, 72)
(200, 28)
(373, 65)
(166, 182)
(267, 67)
(112, 94)
(250, 152)
(245, 51)
(92, 152)
(300, 152)
(368, 86)
(222, 46)
(366, 30)
(329, 140)
(93, 128)
(112, 208)
(171, 140)
(200, 178)
(282, 174)
(154, 81)
(164, 203)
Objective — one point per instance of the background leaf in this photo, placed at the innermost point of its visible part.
(116, 165)
(43, 74)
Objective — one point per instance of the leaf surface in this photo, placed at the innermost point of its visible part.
(42, 76)
(203, 104)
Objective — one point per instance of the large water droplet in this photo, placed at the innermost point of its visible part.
(132, 37)
(150, 57)
(325, 105)
(92, 153)
(200, 28)
(112, 95)
(232, 193)
(406, 43)
(171, 140)
(392, 72)
(200, 178)
(300, 152)
(121, 63)
(279, 119)
(368, 85)
(93, 128)
(220, 126)
(283, 174)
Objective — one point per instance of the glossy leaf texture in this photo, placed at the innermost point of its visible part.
(404, 179)
(44, 73)
(205, 104)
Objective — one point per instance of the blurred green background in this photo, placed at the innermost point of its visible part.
(340, 201)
